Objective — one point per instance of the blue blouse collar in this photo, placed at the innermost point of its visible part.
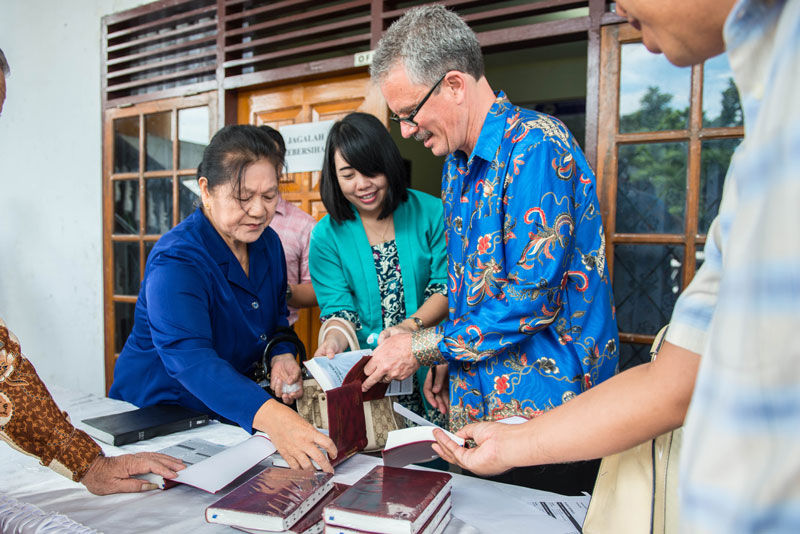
(220, 252)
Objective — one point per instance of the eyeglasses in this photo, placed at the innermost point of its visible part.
(409, 120)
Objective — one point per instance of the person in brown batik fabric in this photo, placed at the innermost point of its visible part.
(32, 423)
(30, 420)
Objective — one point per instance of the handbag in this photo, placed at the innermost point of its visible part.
(637, 490)
(379, 415)
(260, 370)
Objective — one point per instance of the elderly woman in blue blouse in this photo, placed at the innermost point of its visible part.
(377, 260)
(214, 291)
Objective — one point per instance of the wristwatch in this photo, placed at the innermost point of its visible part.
(418, 322)
(288, 292)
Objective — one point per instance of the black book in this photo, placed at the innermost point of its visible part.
(144, 423)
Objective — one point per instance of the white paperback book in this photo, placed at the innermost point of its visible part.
(331, 372)
(414, 444)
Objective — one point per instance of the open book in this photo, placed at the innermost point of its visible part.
(211, 467)
(330, 373)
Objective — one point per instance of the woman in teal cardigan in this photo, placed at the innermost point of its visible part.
(378, 259)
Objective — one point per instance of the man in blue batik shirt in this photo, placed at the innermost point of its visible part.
(531, 320)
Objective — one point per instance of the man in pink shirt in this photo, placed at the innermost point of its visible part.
(293, 226)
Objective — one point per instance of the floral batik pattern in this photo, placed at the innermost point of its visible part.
(393, 310)
(531, 310)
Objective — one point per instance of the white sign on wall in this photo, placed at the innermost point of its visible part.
(305, 145)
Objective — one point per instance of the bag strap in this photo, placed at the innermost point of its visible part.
(654, 349)
(346, 328)
(281, 335)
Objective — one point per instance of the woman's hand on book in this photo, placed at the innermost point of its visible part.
(333, 344)
(285, 372)
(397, 329)
(296, 440)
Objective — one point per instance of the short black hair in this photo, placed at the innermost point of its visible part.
(277, 138)
(364, 143)
(232, 150)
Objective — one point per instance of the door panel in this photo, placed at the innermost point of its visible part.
(661, 159)
(314, 101)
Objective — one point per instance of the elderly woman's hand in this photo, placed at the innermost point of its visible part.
(394, 330)
(285, 378)
(296, 440)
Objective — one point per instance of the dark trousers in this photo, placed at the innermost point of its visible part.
(566, 479)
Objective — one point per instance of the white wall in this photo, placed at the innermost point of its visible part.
(51, 265)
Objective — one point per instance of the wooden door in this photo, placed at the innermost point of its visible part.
(314, 101)
(150, 156)
(665, 140)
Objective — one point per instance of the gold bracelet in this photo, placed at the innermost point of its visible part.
(417, 321)
(424, 346)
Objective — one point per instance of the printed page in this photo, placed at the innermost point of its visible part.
(193, 451)
(330, 373)
(569, 511)
(218, 471)
(400, 387)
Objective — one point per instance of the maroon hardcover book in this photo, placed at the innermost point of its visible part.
(274, 499)
(435, 524)
(312, 522)
(357, 374)
(391, 500)
(347, 426)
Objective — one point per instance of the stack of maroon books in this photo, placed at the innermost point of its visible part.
(392, 500)
(276, 501)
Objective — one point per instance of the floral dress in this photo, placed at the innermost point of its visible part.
(393, 311)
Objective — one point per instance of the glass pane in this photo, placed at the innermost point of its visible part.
(715, 156)
(192, 136)
(653, 93)
(721, 106)
(158, 205)
(188, 196)
(158, 128)
(126, 206)
(647, 280)
(126, 268)
(633, 354)
(148, 247)
(123, 323)
(651, 188)
(699, 256)
(126, 145)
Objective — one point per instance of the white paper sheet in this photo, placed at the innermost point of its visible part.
(330, 373)
(570, 511)
(215, 473)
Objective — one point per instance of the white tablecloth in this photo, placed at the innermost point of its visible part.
(478, 505)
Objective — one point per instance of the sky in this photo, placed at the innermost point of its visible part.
(640, 69)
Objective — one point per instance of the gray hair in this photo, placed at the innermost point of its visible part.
(6, 70)
(430, 41)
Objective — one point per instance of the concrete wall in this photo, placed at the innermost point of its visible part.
(51, 265)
